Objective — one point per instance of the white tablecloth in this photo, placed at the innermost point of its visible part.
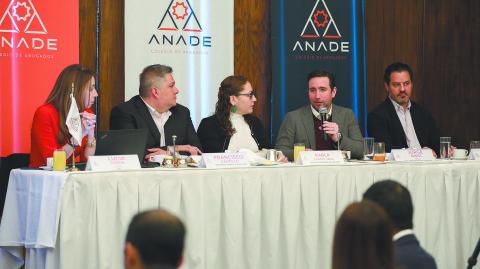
(271, 217)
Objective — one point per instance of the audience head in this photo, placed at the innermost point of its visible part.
(363, 238)
(395, 199)
(234, 95)
(398, 81)
(83, 82)
(321, 89)
(157, 87)
(155, 239)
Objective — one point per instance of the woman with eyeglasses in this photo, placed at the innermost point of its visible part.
(233, 126)
(49, 130)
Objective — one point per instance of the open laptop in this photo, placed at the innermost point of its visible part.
(122, 142)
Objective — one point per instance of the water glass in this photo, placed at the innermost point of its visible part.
(368, 148)
(474, 145)
(297, 148)
(445, 142)
(171, 151)
(379, 151)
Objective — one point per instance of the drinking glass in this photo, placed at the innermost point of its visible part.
(59, 160)
(474, 145)
(297, 148)
(379, 151)
(368, 148)
(171, 151)
(445, 142)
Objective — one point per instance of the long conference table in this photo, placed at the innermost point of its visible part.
(259, 217)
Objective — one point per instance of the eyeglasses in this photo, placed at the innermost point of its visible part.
(250, 95)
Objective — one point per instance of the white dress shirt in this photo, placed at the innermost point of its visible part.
(402, 233)
(242, 138)
(317, 114)
(406, 120)
(160, 119)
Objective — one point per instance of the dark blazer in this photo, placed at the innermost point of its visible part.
(410, 255)
(215, 139)
(384, 125)
(134, 114)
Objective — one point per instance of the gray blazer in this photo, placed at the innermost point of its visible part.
(297, 127)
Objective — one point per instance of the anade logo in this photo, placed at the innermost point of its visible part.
(180, 16)
(180, 26)
(320, 23)
(21, 15)
(320, 35)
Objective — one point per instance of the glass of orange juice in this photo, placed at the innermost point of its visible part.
(297, 148)
(379, 151)
(59, 160)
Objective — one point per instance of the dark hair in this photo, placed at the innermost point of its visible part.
(322, 74)
(158, 236)
(231, 85)
(395, 199)
(397, 67)
(60, 95)
(363, 238)
(150, 75)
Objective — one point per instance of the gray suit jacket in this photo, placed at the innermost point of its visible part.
(297, 127)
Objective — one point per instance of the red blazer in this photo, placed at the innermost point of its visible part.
(45, 128)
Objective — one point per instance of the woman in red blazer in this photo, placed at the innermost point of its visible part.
(49, 131)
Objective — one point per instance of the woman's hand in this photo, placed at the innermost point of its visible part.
(89, 121)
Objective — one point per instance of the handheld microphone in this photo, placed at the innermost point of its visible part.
(323, 117)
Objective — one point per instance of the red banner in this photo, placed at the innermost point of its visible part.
(37, 40)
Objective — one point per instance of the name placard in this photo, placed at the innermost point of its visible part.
(222, 160)
(112, 162)
(474, 154)
(411, 155)
(320, 156)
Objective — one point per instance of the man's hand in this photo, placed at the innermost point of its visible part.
(155, 151)
(187, 148)
(281, 158)
(331, 129)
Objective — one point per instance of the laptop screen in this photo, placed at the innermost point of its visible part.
(122, 142)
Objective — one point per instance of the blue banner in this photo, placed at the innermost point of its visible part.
(317, 35)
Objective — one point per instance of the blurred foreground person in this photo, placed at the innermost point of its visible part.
(155, 239)
(395, 199)
(363, 238)
(49, 130)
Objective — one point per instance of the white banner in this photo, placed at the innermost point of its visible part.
(194, 37)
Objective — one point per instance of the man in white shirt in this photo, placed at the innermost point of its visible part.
(397, 203)
(156, 109)
(398, 121)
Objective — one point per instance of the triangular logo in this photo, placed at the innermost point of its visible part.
(320, 23)
(24, 14)
(179, 16)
